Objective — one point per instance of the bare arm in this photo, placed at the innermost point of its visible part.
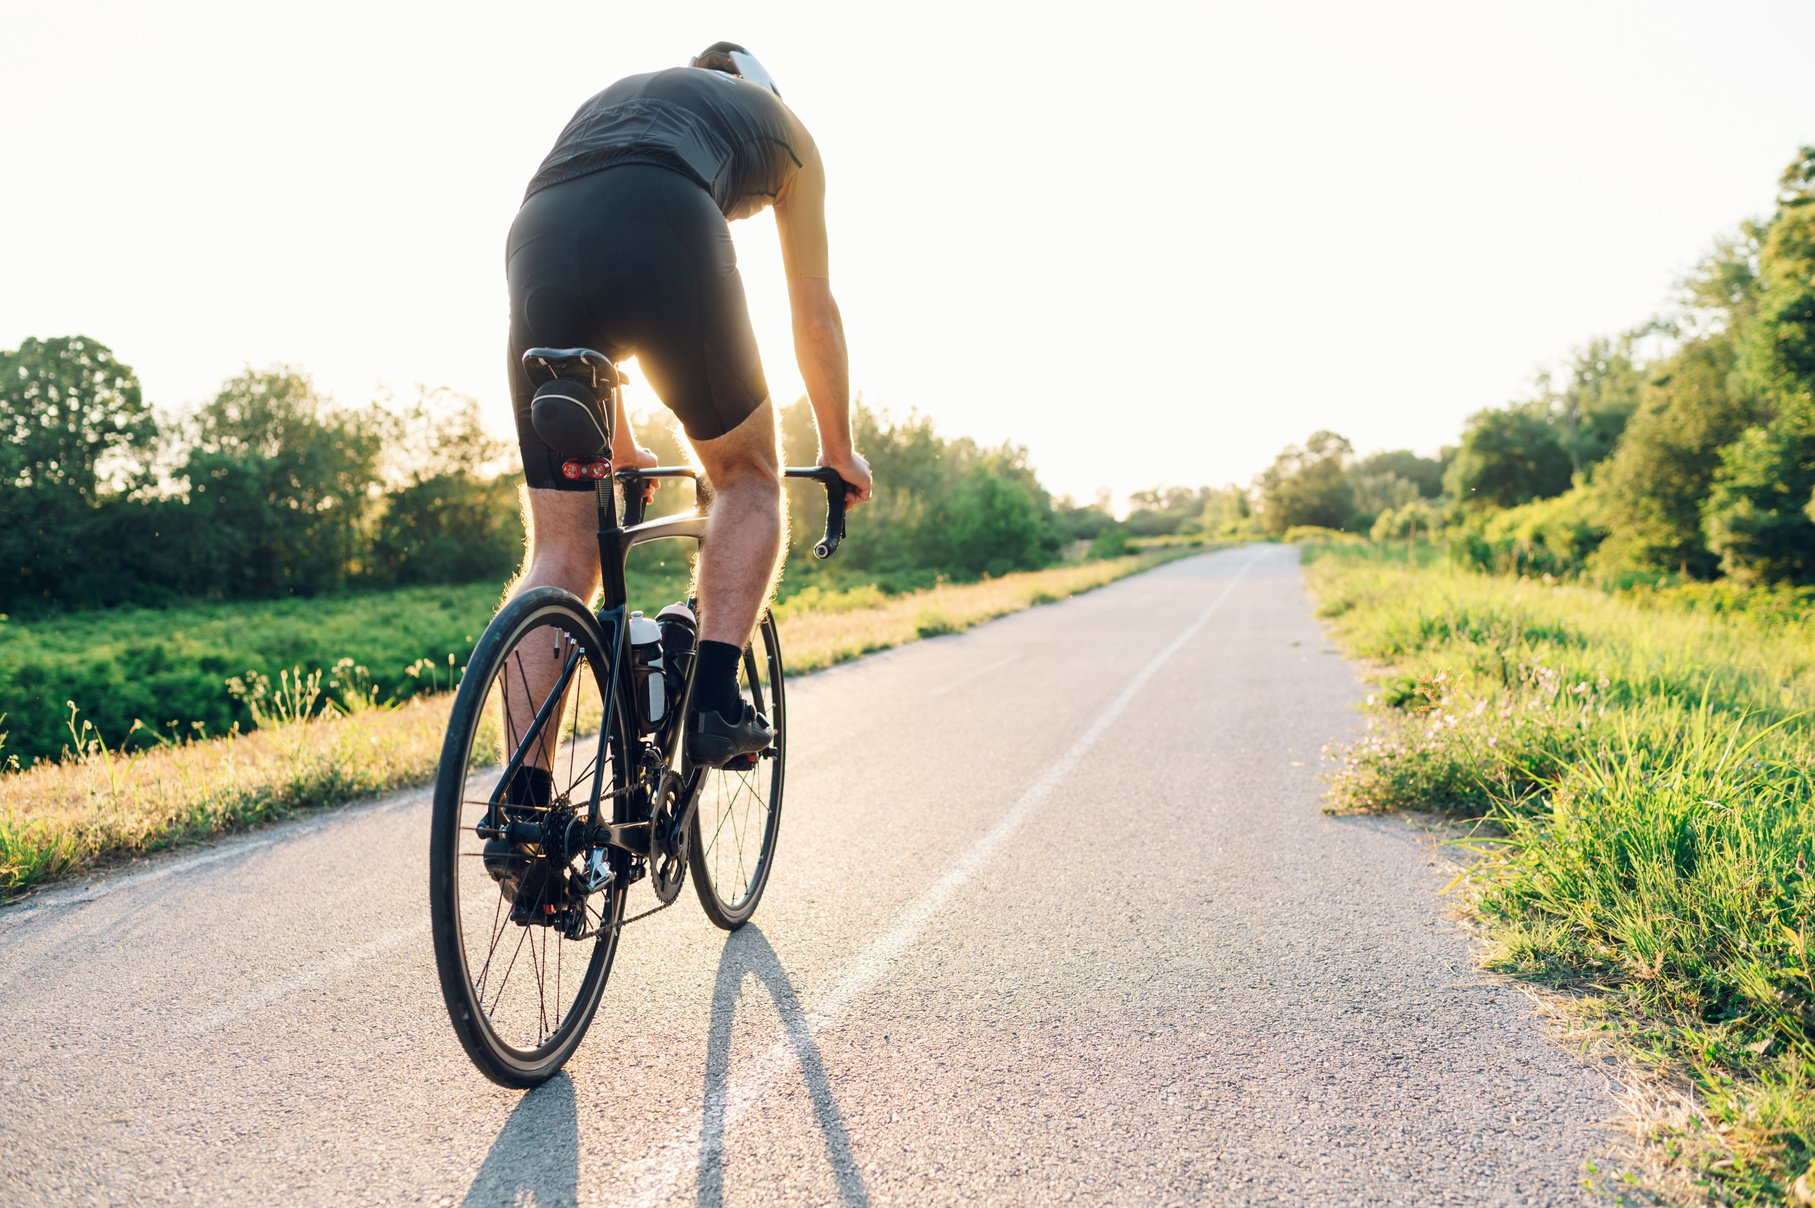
(819, 345)
(625, 452)
(820, 350)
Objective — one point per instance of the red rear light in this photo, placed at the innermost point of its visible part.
(586, 467)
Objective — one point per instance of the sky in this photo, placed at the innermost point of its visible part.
(1152, 242)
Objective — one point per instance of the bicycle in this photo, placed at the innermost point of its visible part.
(527, 896)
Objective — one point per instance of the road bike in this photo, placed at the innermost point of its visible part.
(529, 886)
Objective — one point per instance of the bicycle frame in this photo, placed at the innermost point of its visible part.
(615, 543)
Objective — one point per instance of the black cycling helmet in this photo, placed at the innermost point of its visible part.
(733, 59)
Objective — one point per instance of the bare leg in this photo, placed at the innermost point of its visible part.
(742, 547)
(562, 551)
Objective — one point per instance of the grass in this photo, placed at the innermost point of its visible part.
(170, 670)
(1641, 769)
(316, 748)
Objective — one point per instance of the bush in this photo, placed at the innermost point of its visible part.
(1110, 543)
(1419, 518)
(1547, 536)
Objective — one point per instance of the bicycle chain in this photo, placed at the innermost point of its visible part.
(642, 783)
(637, 918)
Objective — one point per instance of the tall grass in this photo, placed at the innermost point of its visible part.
(172, 671)
(108, 801)
(1643, 771)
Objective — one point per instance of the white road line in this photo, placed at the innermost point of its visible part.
(278, 991)
(656, 1177)
(977, 674)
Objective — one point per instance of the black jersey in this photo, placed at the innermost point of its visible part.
(735, 138)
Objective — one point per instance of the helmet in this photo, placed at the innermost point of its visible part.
(733, 59)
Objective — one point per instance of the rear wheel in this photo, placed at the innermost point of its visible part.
(525, 907)
(737, 814)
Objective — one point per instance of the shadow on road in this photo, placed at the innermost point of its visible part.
(747, 953)
(536, 1158)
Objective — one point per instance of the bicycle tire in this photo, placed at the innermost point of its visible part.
(734, 806)
(507, 1024)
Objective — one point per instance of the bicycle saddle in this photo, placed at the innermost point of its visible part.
(581, 364)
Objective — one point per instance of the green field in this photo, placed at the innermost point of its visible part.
(170, 669)
(1640, 770)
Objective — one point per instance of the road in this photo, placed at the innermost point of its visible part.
(1057, 919)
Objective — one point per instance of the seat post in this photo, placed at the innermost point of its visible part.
(611, 544)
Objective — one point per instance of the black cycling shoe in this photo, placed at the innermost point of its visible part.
(714, 740)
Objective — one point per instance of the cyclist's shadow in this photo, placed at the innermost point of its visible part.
(747, 953)
(536, 1159)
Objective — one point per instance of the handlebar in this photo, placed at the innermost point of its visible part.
(835, 486)
(825, 476)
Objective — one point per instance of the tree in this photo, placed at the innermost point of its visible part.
(1073, 521)
(1754, 517)
(1163, 511)
(997, 525)
(1509, 456)
(1757, 518)
(66, 405)
(1378, 493)
(1307, 485)
(281, 483)
(1227, 512)
(1601, 394)
(1661, 471)
(448, 516)
(1721, 291)
(1425, 473)
(75, 438)
(932, 512)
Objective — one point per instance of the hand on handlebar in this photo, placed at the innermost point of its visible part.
(641, 459)
(856, 473)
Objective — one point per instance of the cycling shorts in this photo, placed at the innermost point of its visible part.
(633, 260)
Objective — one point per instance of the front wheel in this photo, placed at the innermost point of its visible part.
(737, 811)
(525, 905)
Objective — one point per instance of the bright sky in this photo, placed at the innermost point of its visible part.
(1152, 241)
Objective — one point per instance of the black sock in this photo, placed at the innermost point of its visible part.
(715, 678)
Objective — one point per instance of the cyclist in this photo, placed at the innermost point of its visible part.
(621, 245)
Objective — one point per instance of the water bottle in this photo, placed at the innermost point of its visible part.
(646, 666)
(677, 625)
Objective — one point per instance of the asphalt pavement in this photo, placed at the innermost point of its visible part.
(1057, 918)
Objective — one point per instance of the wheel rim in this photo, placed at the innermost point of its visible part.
(737, 810)
(533, 986)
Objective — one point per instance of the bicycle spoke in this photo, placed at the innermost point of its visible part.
(504, 979)
(534, 684)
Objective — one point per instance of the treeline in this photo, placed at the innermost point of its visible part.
(271, 489)
(1684, 448)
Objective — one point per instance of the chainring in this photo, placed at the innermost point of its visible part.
(667, 845)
